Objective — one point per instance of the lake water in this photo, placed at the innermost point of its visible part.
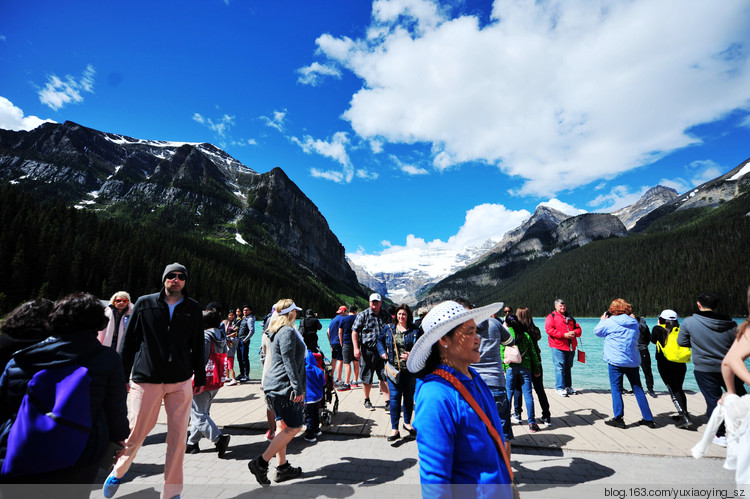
(593, 374)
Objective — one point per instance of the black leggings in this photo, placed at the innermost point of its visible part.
(673, 375)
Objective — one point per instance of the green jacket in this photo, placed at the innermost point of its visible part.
(529, 356)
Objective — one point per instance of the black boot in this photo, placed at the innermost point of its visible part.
(684, 421)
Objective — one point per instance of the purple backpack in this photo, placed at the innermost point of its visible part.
(53, 423)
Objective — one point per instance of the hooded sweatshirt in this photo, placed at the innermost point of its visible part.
(108, 393)
(710, 335)
(286, 375)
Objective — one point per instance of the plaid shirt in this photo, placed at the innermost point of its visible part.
(368, 326)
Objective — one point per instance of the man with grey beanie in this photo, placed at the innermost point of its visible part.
(162, 351)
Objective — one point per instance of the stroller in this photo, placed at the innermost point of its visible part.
(329, 392)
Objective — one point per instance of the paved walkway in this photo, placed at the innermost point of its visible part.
(579, 456)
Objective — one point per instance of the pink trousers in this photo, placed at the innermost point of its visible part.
(144, 402)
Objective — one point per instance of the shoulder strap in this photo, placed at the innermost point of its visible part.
(474, 405)
(395, 347)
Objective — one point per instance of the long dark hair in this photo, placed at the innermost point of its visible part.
(523, 314)
(743, 327)
(409, 315)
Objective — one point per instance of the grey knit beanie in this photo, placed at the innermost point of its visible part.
(174, 267)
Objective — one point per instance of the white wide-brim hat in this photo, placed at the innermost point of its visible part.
(440, 321)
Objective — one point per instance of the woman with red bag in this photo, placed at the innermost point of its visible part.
(215, 352)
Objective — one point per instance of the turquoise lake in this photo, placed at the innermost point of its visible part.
(593, 374)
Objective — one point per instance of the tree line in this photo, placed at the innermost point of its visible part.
(687, 253)
(50, 250)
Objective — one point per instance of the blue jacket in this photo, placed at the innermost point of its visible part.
(108, 388)
(385, 342)
(316, 379)
(620, 333)
(453, 443)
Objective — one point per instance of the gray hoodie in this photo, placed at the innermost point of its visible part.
(215, 336)
(286, 375)
(710, 335)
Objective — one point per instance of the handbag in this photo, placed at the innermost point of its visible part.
(215, 372)
(581, 353)
(391, 371)
(512, 355)
(496, 438)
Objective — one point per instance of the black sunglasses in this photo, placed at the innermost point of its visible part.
(172, 275)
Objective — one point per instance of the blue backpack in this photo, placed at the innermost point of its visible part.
(53, 423)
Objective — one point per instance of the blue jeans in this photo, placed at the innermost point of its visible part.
(515, 376)
(712, 386)
(405, 390)
(616, 374)
(503, 410)
(563, 361)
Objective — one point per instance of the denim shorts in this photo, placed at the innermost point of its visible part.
(336, 352)
(291, 413)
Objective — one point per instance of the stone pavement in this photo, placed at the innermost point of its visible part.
(577, 457)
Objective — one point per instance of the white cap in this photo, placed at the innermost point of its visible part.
(375, 297)
(668, 315)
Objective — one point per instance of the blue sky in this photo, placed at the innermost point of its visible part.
(413, 125)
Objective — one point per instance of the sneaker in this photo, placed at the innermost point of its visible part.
(627, 392)
(232, 382)
(649, 423)
(261, 473)
(355, 385)
(546, 422)
(652, 393)
(368, 405)
(533, 427)
(318, 433)
(570, 391)
(286, 472)
(222, 445)
(270, 435)
(515, 419)
(562, 393)
(309, 438)
(616, 422)
(192, 449)
(718, 440)
(344, 387)
(112, 483)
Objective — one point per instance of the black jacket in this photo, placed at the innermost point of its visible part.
(159, 350)
(108, 391)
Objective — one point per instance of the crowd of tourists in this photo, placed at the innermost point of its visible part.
(86, 381)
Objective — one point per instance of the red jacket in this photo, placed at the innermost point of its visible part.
(556, 326)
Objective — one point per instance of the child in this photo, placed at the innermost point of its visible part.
(315, 383)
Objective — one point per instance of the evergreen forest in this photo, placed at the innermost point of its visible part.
(683, 254)
(50, 250)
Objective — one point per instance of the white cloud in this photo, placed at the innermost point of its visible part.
(482, 223)
(559, 93)
(332, 175)
(407, 168)
(12, 118)
(334, 149)
(57, 93)
(566, 208)
(618, 197)
(703, 171)
(277, 121)
(220, 127)
(315, 72)
(679, 184)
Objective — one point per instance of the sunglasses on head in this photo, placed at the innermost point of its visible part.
(172, 275)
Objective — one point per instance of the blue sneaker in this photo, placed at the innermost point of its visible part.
(111, 484)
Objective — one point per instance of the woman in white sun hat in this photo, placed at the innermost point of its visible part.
(455, 415)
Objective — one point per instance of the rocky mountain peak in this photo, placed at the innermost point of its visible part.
(652, 199)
